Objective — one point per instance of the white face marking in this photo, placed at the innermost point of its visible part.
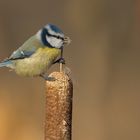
(50, 31)
(51, 39)
(55, 42)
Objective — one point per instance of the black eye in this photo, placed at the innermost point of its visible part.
(58, 37)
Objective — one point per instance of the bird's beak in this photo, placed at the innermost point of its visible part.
(67, 40)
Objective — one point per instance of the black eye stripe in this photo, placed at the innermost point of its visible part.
(59, 37)
(44, 40)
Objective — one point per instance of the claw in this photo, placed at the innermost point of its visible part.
(47, 78)
(60, 60)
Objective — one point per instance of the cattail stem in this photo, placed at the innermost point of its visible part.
(58, 108)
(61, 67)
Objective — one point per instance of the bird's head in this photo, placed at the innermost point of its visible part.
(51, 36)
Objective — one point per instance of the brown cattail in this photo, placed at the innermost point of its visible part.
(58, 120)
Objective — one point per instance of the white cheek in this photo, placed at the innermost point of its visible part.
(55, 42)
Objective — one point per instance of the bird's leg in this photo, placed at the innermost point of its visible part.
(61, 64)
(60, 60)
(46, 77)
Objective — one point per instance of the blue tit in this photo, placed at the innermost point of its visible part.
(38, 53)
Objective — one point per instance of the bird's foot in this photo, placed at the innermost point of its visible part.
(60, 60)
(47, 78)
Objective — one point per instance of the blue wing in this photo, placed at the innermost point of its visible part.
(16, 55)
(20, 54)
(26, 50)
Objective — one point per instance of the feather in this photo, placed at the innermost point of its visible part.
(5, 63)
(27, 49)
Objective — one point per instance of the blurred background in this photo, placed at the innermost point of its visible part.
(104, 58)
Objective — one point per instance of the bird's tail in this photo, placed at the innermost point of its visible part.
(5, 63)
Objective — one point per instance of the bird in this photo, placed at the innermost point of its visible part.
(38, 53)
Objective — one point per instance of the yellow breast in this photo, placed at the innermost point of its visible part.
(38, 63)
